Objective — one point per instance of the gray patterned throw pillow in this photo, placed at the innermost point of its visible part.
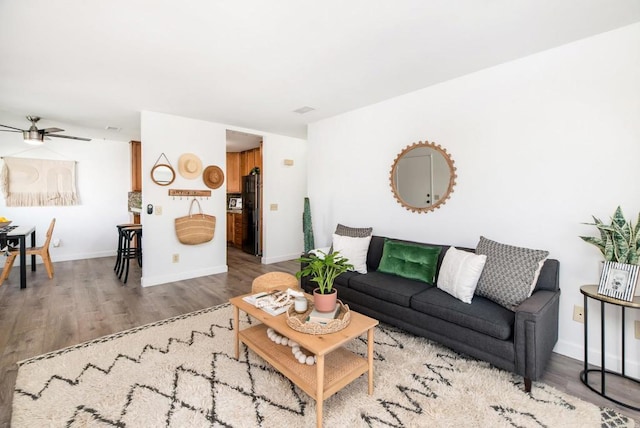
(510, 273)
(353, 232)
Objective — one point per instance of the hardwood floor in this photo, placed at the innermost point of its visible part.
(85, 300)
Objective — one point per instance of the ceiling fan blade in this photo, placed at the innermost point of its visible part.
(10, 127)
(9, 130)
(49, 130)
(70, 137)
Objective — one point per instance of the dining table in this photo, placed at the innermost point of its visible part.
(20, 233)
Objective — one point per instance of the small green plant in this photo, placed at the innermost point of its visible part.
(618, 241)
(324, 269)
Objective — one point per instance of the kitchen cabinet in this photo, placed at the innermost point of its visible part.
(257, 157)
(250, 159)
(234, 229)
(240, 164)
(234, 183)
(136, 166)
(229, 227)
(246, 162)
(136, 171)
(237, 230)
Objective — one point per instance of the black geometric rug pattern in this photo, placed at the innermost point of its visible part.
(182, 372)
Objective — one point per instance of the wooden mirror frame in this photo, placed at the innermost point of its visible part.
(164, 165)
(452, 177)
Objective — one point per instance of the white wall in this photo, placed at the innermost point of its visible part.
(103, 179)
(540, 144)
(285, 186)
(173, 136)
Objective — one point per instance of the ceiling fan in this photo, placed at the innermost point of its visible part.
(36, 136)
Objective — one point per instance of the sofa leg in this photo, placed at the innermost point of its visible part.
(527, 384)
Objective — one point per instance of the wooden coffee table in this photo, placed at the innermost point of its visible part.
(335, 366)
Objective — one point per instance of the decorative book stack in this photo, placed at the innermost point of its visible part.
(323, 317)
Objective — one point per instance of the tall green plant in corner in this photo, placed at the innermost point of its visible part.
(619, 241)
(307, 227)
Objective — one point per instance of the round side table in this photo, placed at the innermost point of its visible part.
(591, 292)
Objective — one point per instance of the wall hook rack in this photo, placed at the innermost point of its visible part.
(189, 193)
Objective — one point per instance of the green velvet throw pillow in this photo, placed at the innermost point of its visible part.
(412, 261)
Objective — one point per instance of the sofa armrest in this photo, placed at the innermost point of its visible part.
(536, 332)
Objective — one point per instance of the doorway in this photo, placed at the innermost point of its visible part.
(244, 194)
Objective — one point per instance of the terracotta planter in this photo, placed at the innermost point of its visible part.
(325, 302)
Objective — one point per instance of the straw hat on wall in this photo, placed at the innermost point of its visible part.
(189, 166)
(213, 177)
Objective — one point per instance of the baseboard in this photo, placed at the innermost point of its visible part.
(613, 360)
(69, 257)
(164, 279)
(278, 259)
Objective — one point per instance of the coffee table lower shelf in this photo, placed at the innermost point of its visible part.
(341, 366)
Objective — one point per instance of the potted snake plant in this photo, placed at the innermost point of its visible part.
(323, 270)
(619, 243)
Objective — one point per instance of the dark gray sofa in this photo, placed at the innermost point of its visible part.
(520, 341)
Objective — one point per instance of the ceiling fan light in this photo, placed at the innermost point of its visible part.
(33, 137)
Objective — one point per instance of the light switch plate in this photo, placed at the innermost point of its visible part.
(158, 209)
(273, 207)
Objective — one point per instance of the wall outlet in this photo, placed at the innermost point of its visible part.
(158, 210)
(637, 324)
(175, 258)
(273, 207)
(578, 314)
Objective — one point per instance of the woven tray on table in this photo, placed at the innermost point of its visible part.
(298, 321)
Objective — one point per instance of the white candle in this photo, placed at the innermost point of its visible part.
(300, 304)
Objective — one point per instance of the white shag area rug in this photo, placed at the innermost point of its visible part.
(181, 372)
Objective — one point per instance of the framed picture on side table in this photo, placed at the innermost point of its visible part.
(618, 280)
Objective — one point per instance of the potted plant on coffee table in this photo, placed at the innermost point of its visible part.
(619, 243)
(323, 270)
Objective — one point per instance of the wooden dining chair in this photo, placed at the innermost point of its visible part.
(37, 251)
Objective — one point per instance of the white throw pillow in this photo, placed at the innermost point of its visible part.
(353, 249)
(460, 272)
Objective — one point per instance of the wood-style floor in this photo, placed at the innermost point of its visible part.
(85, 300)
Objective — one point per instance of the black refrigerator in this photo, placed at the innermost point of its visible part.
(251, 214)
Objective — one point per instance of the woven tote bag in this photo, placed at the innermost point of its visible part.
(197, 228)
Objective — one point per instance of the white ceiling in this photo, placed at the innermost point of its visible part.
(250, 63)
(239, 141)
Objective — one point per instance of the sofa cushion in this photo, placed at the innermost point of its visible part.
(353, 249)
(412, 261)
(510, 273)
(389, 288)
(344, 278)
(483, 316)
(459, 273)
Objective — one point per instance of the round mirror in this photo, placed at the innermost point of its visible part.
(422, 177)
(163, 174)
